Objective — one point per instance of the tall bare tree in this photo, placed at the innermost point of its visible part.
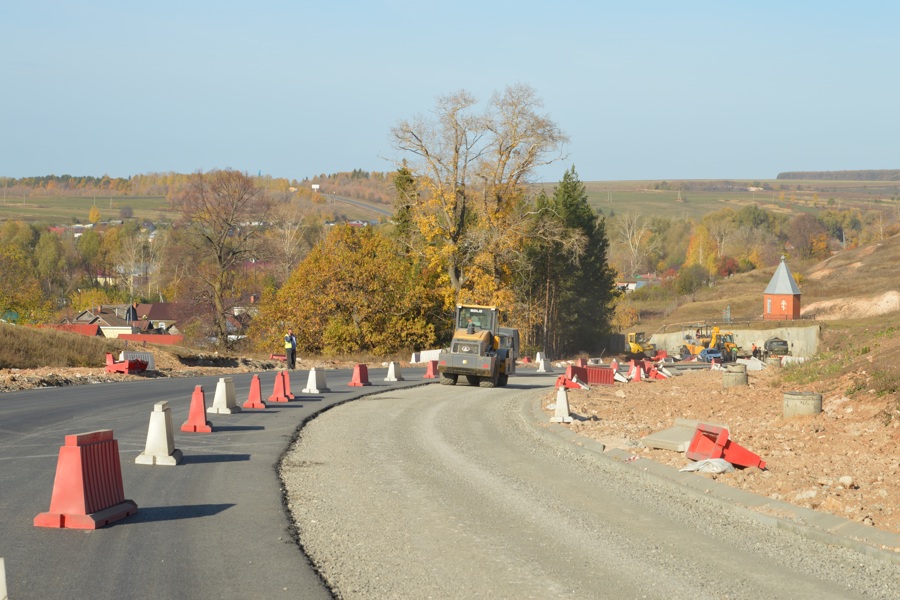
(471, 168)
(291, 236)
(636, 235)
(222, 218)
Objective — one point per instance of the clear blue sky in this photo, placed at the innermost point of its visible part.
(645, 90)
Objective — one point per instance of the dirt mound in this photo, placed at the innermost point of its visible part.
(843, 461)
(854, 308)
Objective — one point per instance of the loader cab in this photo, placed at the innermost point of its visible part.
(480, 317)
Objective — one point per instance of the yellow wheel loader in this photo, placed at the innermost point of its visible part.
(481, 351)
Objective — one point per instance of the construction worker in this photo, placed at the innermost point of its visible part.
(755, 351)
(290, 349)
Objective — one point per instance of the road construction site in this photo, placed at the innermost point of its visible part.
(464, 492)
(446, 471)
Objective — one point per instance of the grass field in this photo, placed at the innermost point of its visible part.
(783, 196)
(59, 210)
(643, 197)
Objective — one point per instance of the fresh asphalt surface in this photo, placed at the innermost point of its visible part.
(212, 527)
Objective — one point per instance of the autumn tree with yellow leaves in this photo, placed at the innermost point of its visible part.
(470, 170)
(356, 291)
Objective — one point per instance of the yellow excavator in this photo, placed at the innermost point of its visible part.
(482, 351)
(639, 346)
(710, 339)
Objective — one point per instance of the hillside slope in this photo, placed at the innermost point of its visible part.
(846, 460)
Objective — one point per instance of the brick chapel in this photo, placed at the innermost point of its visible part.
(781, 300)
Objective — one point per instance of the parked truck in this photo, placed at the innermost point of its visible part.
(481, 351)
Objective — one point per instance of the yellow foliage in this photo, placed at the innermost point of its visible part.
(84, 299)
(354, 292)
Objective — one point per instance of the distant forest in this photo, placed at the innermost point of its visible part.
(359, 184)
(875, 175)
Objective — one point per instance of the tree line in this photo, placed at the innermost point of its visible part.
(858, 175)
(467, 227)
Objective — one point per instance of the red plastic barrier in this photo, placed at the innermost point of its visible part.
(600, 375)
(124, 366)
(710, 441)
(278, 392)
(87, 490)
(254, 398)
(573, 371)
(566, 383)
(360, 376)
(431, 371)
(197, 422)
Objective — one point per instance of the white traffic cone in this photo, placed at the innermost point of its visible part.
(545, 366)
(561, 415)
(3, 594)
(394, 372)
(225, 402)
(316, 382)
(160, 448)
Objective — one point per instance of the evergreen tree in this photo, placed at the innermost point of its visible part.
(576, 284)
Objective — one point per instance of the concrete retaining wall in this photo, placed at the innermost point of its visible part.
(803, 340)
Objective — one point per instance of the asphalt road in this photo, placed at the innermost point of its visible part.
(213, 527)
(459, 492)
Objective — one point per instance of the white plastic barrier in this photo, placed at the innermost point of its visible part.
(394, 372)
(160, 448)
(225, 402)
(316, 382)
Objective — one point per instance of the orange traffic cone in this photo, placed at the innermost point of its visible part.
(197, 422)
(278, 393)
(254, 399)
(360, 376)
(431, 371)
(287, 386)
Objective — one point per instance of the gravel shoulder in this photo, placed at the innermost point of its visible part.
(455, 492)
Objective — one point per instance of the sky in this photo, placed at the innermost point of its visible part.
(646, 90)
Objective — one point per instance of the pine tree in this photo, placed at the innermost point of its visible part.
(578, 285)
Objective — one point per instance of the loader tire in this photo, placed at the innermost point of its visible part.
(489, 382)
(448, 379)
(473, 380)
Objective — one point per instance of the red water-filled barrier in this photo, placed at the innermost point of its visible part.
(87, 490)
